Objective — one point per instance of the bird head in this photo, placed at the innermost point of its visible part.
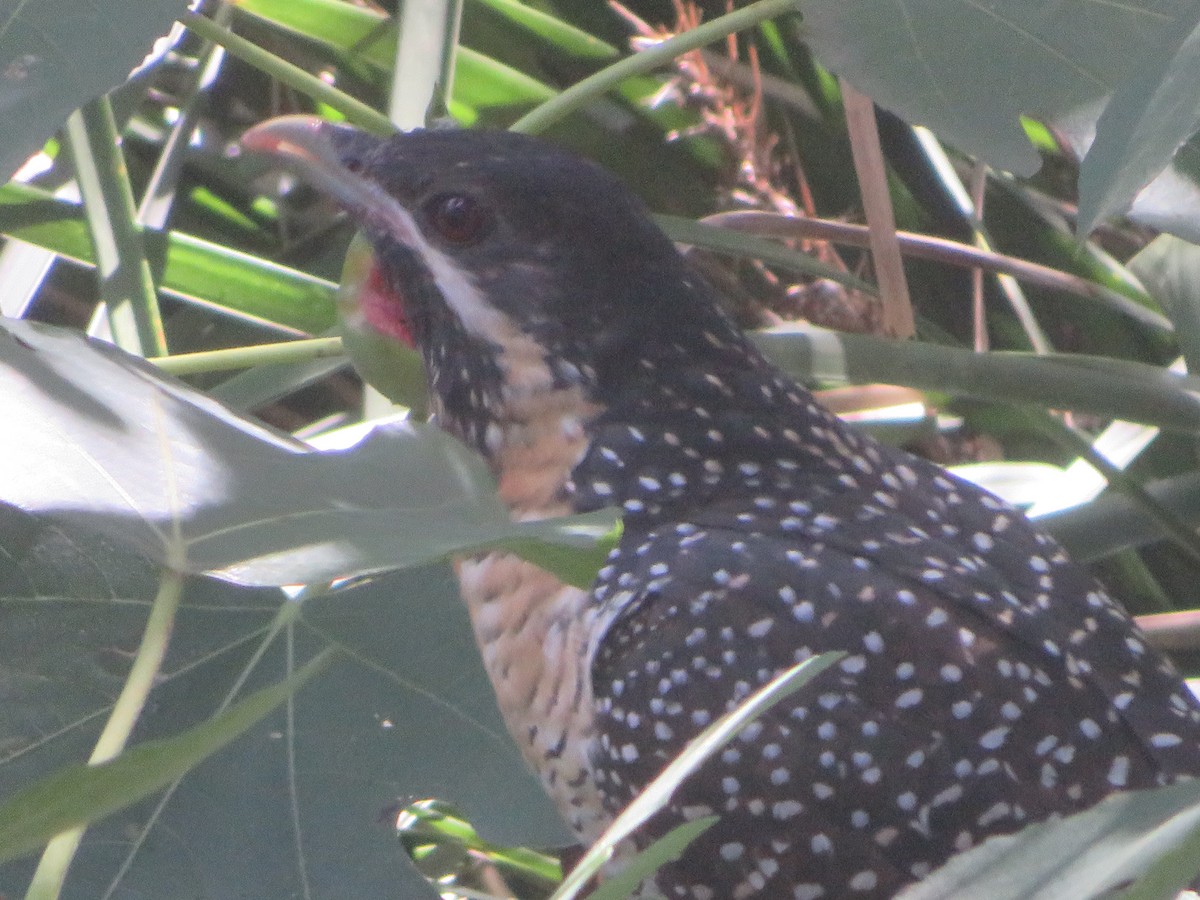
(512, 265)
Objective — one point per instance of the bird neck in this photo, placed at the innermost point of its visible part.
(528, 421)
(702, 429)
(675, 403)
(675, 431)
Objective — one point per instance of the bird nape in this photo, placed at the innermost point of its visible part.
(989, 682)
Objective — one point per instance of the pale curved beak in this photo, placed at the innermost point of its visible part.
(332, 159)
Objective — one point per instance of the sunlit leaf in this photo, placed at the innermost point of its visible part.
(192, 269)
(553, 31)
(479, 81)
(131, 454)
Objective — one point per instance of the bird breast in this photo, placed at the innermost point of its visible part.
(535, 635)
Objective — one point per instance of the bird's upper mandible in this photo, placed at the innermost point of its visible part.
(988, 681)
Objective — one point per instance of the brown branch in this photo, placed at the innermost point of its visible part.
(937, 249)
(978, 186)
(897, 318)
(1172, 631)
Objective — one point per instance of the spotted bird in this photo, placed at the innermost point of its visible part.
(988, 681)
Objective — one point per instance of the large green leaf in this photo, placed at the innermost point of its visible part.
(939, 62)
(405, 711)
(109, 447)
(79, 794)
(108, 442)
(1142, 126)
(57, 54)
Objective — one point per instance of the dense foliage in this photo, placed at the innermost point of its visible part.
(153, 542)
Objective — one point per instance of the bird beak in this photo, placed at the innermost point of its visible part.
(337, 160)
(327, 157)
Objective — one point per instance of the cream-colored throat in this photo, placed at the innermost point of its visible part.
(539, 431)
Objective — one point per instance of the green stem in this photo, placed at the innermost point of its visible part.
(52, 868)
(355, 111)
(579, 94)
(247, 357)
(125, 283)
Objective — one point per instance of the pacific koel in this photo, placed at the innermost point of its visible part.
(988, 681)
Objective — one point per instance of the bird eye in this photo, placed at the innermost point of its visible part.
(458, 218)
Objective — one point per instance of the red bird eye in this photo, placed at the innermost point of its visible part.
(458, 218)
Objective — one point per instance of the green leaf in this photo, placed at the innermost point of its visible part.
(1174, 869)
(57, 54)
(185, 267)
(347, 26)
(554, 32)
(935, 62)
(1169, 202)
(666, 849)
(395, 370)
(266, 384)
(1142, 126)
(573, 549)
(423, 722)
(82, 794)
(1084, 855)
(479, 81)
(406, 710)
(1111, 522)
(1112, 388)
(1170, 270)
(110, 444)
